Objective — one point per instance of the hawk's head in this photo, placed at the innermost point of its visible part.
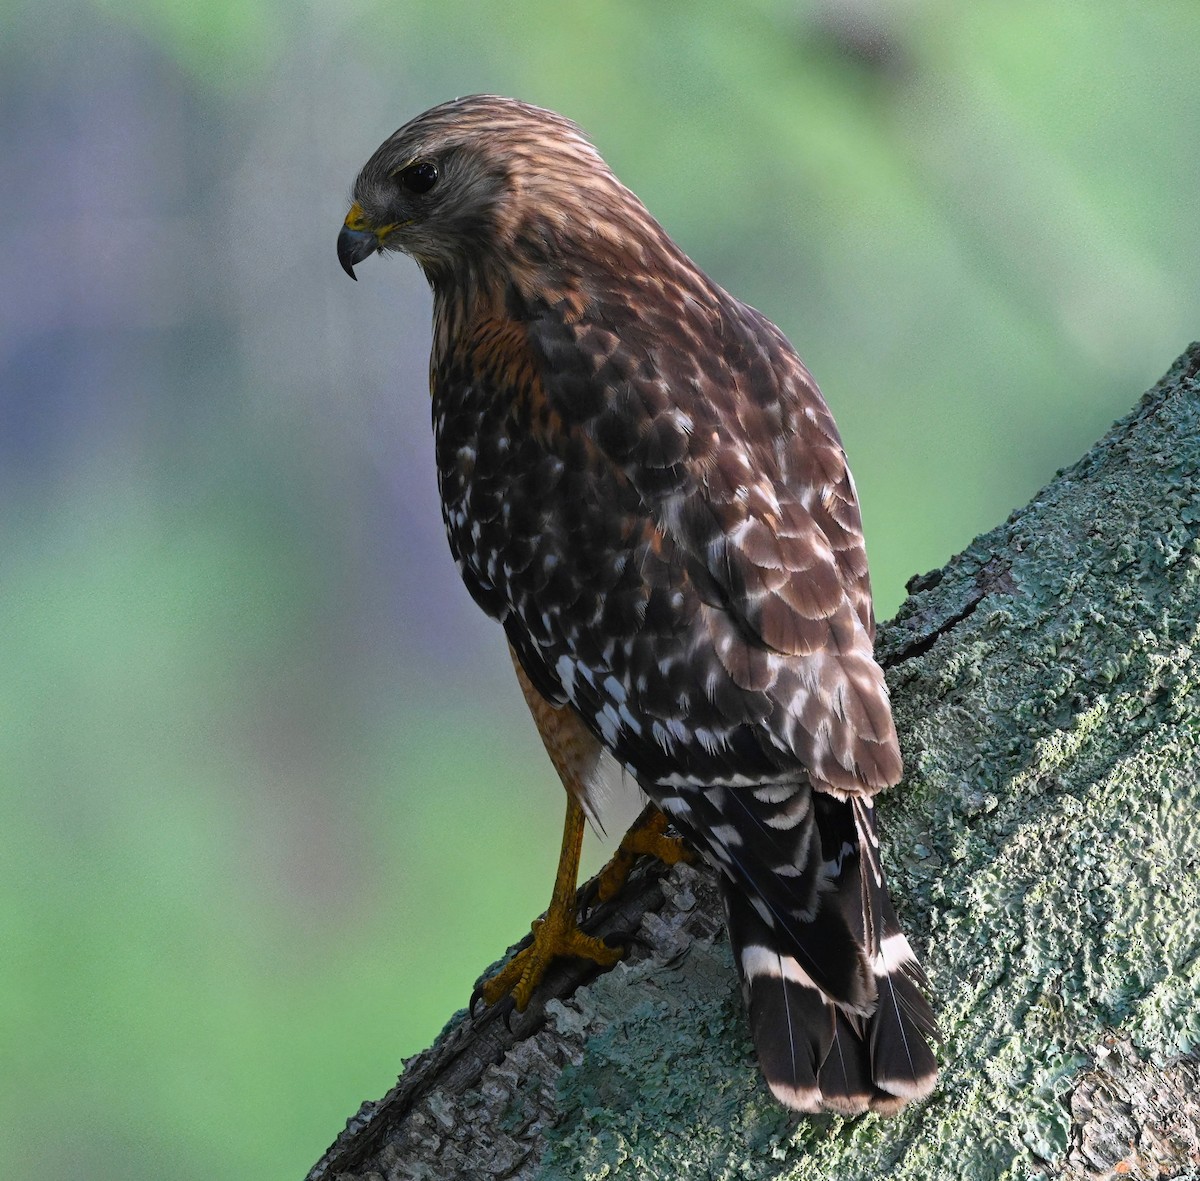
(486, 183)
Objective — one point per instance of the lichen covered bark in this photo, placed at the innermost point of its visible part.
(1044, 854)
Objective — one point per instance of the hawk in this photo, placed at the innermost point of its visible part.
(641, 482)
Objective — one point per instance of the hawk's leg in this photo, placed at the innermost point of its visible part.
(647, 835)
(557, 932)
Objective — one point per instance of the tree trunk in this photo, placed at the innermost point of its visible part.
(1044, 856)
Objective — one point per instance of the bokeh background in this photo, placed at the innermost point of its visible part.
(268, 798)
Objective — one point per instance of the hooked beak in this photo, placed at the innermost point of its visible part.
(355, 242)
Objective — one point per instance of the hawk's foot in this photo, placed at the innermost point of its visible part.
(647, 834)
(555, 934)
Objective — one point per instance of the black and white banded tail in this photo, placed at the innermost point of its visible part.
(837, 1000)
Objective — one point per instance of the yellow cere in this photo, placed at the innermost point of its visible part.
(356, 219)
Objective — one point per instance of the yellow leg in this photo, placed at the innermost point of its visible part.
(555, 934)
(647, 834)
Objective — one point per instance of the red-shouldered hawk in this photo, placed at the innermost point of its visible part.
(642, 483)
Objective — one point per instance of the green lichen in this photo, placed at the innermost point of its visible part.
(1043, 849)
(625, 1099)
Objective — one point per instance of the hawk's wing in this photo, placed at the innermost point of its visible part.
(709, 434)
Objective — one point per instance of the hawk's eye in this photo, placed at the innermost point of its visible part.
(419, 178)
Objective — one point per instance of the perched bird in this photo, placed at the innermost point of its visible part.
(642, 484)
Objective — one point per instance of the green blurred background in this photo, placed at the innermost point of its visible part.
(270, 799)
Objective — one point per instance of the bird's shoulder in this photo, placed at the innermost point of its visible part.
(703, 404)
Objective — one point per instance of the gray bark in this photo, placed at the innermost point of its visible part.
(1044, 855)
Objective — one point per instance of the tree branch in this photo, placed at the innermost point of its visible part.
(1044, 855)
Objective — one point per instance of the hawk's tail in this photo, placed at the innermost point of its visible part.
(837, 1000)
